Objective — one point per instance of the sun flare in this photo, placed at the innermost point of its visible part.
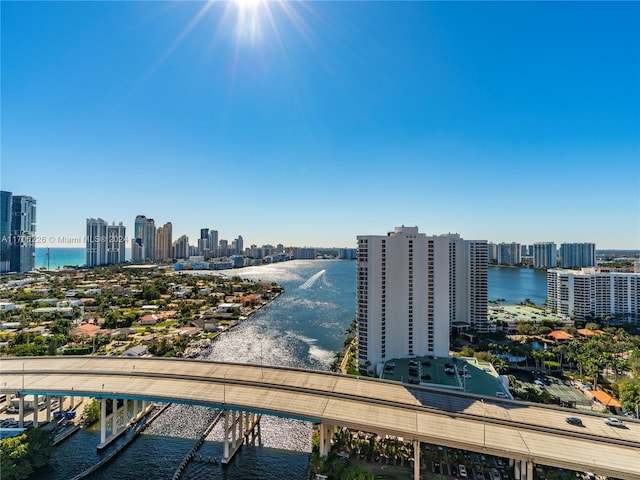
(248, 4)
(248, 20)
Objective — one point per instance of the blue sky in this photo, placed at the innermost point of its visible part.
(312, 123)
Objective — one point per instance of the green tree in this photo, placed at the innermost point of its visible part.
(61, 326)
(467, 351)
(629, 395)
(356, 473)
(525, 328)
(92, 412)
(21, 455)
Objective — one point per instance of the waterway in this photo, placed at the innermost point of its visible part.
(516, 284)
(302, 328)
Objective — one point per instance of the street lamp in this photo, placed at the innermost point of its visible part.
(484, 425)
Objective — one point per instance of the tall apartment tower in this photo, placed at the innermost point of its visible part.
(22, 248)
(588, 293)
(213, 243)
(492, 252)
(105, 244)
(116, 243)
(413, 289)
(143, 246)
(239, 245)
(223, 248)
(204, 247)
(578, 255)
(5, 231)
(509, 254)
(96, 242)
(164, 242)
(544, 255)
(181, 247)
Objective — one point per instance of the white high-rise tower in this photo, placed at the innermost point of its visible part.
(413, 289)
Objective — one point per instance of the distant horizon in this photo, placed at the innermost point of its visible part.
(314, 122)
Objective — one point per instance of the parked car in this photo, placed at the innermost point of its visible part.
(574, 421)
(614, 422)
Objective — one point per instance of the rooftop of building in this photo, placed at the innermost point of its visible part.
(456, 373)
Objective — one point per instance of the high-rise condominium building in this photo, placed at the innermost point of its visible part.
(239, 245)
(105, 244)
(578, 255)
(204, 247)
(544, 255)
(5, 231)
(143, 245)
(413, 289)
(22, 237)
(589, 293)
(96, 242)
(223, 248)
(509, 254)
(213, 243)
(492, 252)
(164, 242)
(181, 247)
(116, 243)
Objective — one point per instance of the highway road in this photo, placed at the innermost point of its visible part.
(519, 430)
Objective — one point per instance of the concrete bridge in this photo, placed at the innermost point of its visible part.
(526, 433)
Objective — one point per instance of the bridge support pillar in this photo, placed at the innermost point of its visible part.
(21, 411)
(114, 416)
(326, 432)
(416, 460)
(119, 420)
(103, 420)
(237, 428)
(518, 474)
(36, 410)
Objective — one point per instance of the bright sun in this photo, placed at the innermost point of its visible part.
(248, 4)
(248, 20)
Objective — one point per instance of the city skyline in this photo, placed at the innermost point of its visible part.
(311, 123)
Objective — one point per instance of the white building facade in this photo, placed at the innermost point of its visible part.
(412, 289)
(96, 242)
(116, 243)
(105, 244)
(588, 293)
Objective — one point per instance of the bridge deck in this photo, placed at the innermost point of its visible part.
(512, 429)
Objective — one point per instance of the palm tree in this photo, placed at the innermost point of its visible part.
(559, 350)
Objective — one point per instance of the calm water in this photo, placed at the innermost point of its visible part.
(516, 284)
(302, 328)
(60, 257)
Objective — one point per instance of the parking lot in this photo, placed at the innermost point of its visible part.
(561, 388)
